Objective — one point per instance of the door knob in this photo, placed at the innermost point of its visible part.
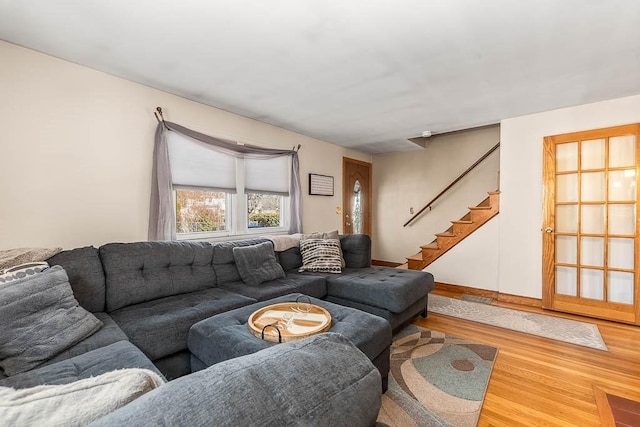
(548, 230)
(348, 224)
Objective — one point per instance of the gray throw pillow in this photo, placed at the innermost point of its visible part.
(257, 263)
(40, 318)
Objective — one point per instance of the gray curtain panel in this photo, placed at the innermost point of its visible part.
(162, 221)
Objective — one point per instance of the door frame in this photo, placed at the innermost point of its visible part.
(368, 226)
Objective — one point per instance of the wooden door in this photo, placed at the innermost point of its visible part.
(356, 196)
(590, 223)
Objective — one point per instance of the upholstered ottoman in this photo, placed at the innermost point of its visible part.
(395, 294)
(226, 335)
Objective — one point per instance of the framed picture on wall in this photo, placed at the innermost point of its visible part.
(320, 185)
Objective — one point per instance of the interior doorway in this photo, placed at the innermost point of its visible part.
(356, 196)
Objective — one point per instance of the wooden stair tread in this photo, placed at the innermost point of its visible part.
(416, 257)
(461, 221)
(493, 193)
(432, 245)
(404, 266)
(474, 208)
(445, 234)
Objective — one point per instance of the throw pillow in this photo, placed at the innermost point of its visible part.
(77, 403)
(257, 263)
(40, 318)
(328, 235)
(21, 271)
(320, 255)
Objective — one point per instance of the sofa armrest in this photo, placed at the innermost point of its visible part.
(356, 249)
(322, 381)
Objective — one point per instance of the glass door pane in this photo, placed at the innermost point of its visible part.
(622, 151)
(567, 157)
(621, 287)
(592, 154)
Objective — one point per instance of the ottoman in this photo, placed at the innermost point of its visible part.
(395, 294)
(226, 335)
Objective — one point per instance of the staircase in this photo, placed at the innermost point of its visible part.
(474, 219)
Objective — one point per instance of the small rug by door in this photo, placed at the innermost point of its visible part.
(556, 328)
(435, 380)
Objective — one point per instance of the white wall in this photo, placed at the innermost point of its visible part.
(473, 262)
(411, 179)
(520, 271)
(76, 152)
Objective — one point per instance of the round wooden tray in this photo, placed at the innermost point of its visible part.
(303, 325)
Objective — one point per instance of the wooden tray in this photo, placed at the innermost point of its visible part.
(303, 325)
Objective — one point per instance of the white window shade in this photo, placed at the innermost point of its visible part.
(195, 165)
(267, 176)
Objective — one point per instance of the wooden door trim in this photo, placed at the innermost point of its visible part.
(346, 191)
(548, 220)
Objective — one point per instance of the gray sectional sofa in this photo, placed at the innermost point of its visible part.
(149, 294)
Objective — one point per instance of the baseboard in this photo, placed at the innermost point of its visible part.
(385, 263)
(513, 299)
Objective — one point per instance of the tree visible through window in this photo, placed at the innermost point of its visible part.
(263, 210)
(198, 211)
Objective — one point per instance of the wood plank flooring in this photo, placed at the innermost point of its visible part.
(542, 382)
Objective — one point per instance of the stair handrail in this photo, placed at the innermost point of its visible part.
(454, 182)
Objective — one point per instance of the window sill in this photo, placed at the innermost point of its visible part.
(193, 237)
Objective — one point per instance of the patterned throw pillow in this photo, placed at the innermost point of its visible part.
(320, 255)
(327, 235)
(21, 271)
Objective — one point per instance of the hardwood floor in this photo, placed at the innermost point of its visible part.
(542, 382)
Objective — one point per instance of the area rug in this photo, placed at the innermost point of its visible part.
(556, 328)
(435, 380)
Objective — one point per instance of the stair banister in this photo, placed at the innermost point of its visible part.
(454, 182)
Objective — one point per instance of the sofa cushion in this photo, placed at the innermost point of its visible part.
(109, 333)
(356, 249)
(224, 263)
(145, 271)
(77, 403)
(320, 255)
(290, 259)
(384, 287)
(257, 263)
(160, 327)
(314, 286)
(40, 318)
(320, 381)
(118, 355)
(84, 268)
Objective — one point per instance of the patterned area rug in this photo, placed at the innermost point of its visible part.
(435, 380)
(556, 328)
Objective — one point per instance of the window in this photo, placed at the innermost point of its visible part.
(200, 211)
(202, 187)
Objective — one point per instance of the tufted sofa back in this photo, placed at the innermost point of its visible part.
(145, 271)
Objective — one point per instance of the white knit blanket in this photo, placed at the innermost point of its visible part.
(77, 403)
(285, 241)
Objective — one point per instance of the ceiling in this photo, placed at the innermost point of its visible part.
(365, 74)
